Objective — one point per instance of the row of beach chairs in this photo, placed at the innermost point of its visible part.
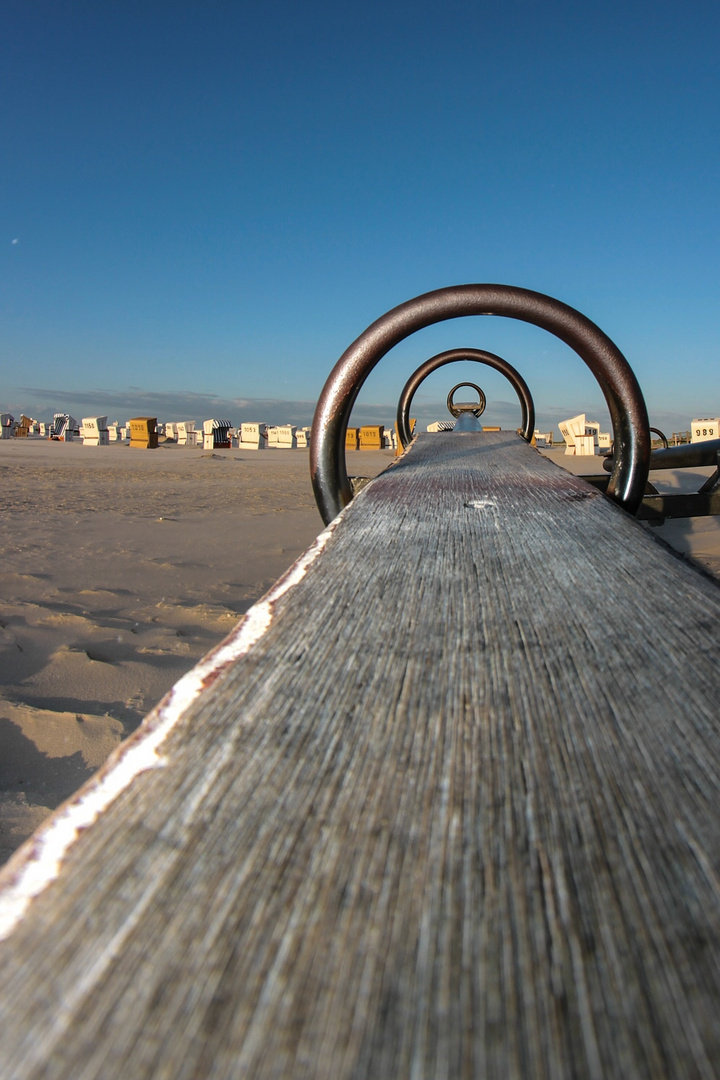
(215, 434)
(145, 432)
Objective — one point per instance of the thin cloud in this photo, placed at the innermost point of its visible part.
(42, 402)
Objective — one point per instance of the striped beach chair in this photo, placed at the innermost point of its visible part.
(216, 434)
(64, 427)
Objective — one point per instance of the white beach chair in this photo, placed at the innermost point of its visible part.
(186, 433)
(95, 431)
(578, 427)
(286, 437)
(253, 437)
(705, 428)
(542, 439)
(584, 445)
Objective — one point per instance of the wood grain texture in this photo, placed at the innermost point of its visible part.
(481, 843)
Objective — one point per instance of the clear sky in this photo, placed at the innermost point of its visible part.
(204, 203)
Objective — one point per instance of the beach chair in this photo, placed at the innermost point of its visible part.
(6, 425)
(272, 437)
(22, 429)
(372, 437)
(397, 441)
(216, 434)
(584, 445)
(253, 436)
(575, 427)
(143, 434)
(286, 437)
(95, 431)
(64, 427)
(542, 439)
(705, 428)
(186, 433)
(352, 438)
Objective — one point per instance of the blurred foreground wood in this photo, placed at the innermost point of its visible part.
(444, 805)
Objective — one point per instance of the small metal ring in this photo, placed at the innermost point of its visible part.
(453, 408)
(480, 356)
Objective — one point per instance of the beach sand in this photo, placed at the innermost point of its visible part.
(122, 567)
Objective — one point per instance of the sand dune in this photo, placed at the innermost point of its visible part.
(121, 568)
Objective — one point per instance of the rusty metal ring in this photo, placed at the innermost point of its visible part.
(615, 377)
(481, 356)
(482, 400)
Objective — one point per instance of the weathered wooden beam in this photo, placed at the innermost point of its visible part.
(482, 841)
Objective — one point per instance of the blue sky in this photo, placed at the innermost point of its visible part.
(203, 204)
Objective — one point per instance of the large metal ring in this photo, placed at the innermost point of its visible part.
(482, 357)
(612, 371)
(455, 410)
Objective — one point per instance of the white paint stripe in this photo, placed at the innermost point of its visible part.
(41, 858)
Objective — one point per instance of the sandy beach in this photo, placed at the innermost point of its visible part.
(123, 567)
